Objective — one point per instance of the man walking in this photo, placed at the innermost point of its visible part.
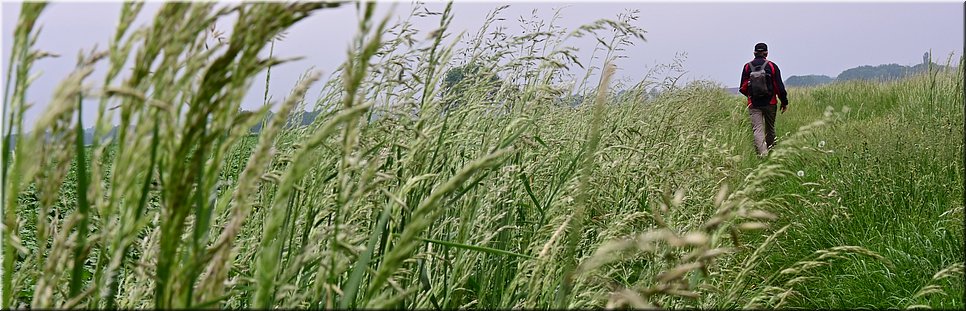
(761, 82)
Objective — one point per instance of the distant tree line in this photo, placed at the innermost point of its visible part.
(808, 80)
(876, 73)
(307, 118)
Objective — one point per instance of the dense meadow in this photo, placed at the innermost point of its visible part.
(470, 176)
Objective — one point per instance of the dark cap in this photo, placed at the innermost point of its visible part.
(761, 46)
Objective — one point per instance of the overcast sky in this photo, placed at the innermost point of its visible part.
(803, 38)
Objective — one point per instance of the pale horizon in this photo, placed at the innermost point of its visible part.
(804, 38)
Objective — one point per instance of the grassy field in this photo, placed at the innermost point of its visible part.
(407, 192)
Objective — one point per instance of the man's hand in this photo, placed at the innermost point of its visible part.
(784, 107)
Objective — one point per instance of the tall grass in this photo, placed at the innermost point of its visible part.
(408, 192)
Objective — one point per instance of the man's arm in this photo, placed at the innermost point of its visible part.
(782, 93)
(743, 85)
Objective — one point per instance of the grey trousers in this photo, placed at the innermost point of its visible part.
(763, 127)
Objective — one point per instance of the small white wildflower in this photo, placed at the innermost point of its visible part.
(821, 144)
(801, 173)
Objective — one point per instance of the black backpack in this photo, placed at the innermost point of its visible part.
(759, 84)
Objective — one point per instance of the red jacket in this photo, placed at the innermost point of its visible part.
(778, 87)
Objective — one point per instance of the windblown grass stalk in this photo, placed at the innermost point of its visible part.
(445, 175)
(22, 57)
(589, 153)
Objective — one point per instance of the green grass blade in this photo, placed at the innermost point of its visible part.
(482, 249)
(533, 198)
(83, 207)
(359, 268)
